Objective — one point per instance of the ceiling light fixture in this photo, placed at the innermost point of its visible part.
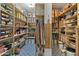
(31, 5)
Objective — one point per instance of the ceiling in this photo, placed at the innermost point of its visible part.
(58, 5)
(24, 7)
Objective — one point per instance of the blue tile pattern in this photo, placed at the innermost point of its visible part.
(29, 48)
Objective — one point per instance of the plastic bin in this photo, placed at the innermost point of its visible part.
(70, 51)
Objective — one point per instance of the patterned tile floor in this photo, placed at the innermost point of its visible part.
(29, 48)
(56, 51)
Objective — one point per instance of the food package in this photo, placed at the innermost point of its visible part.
(2, 48)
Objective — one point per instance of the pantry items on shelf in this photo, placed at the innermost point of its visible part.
(2, 48)
(7, 7)
(17, 50)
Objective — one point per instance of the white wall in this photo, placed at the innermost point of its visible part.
(40, 12)
(39, 9)
(48, 12)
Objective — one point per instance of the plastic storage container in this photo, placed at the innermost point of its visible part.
(70, 51)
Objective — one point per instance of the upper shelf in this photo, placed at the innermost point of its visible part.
(20, 20)
(72, 7)
(4, 11)
(72, 17)
(17, 35)
(5, 39)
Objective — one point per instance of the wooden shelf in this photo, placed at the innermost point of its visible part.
(5, 25)
(5, 39)
(5, 20)
(72, 17)
(4, 53)
(72, 39)
(30, 32)
(21, 26)
(71, 45)
(17, 35)
(71, 36)
(71, 27)
(5, 29)
(55, 16)
(17, 44)
(69, 18)
(20, 20)
(31, 37)
(24, 26)
(72, 7)
(54, 32)
(5, 12)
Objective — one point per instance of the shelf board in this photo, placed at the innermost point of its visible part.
(71, 45)
(72, 7)
(30, 32)
(6, 25)
(71, 26)
(54, 17)
(30, 37)
(72, 17)
(60, 42)
(55, 28)
(72, 39)
(19, 11)
(22, 26)
(5, 29)
(5, 20)
(54, 32)
(69, 31)
(72, 22)
(31, 27)
(20, 20)
(71, 36)
(18, 43)
(19, 35)
(4, 52)
(5, 39)
(72, 42)
(4, 11)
